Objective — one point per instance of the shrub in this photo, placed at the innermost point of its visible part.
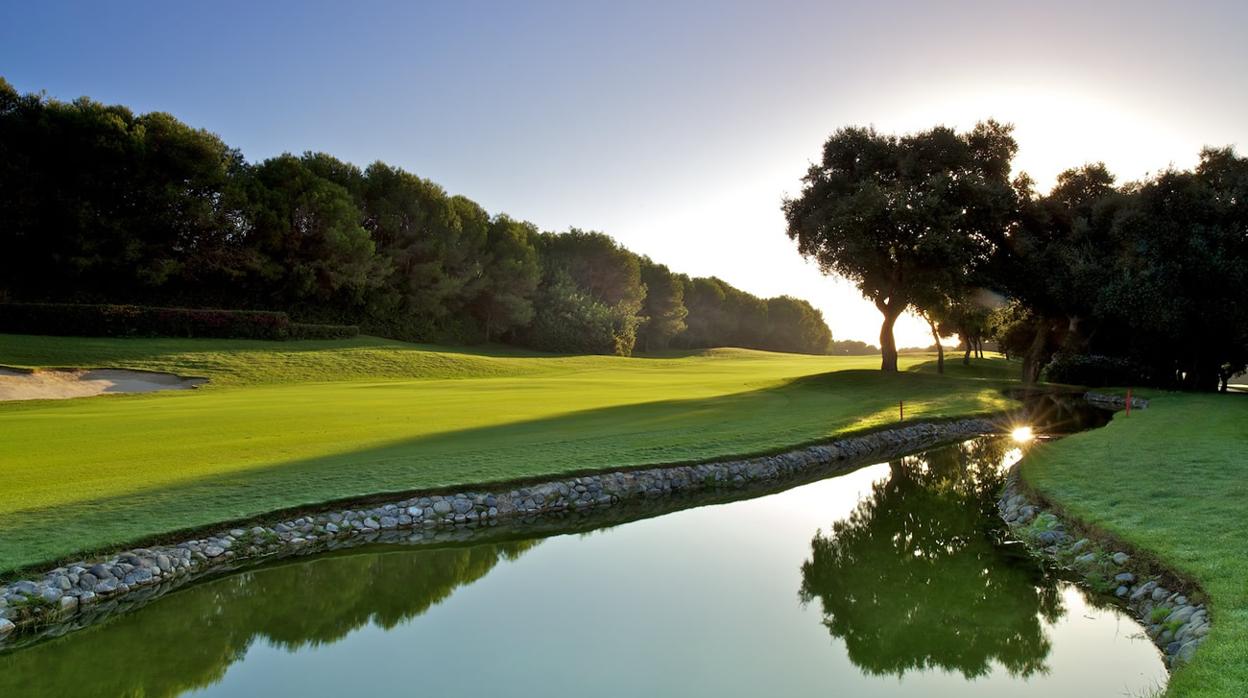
(1093, 370)
(142, 321)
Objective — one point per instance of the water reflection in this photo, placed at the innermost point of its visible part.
(914, 578)
(189, 640)
(697, 601)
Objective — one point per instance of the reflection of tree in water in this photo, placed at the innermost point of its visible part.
(189, 640)
(913, 580)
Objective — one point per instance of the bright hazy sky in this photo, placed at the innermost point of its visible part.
(676, 127)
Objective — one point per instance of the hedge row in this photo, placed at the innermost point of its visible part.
(84, 320)
(1094, 370)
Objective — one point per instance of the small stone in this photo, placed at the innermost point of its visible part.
(6, 627)
(1079, 546)
(442, 507)
(1124, 577)
(389, 522)
(101, 571)
(258, 531)
(1181, 615)
(1120, 592)
(1085, 559)
(1183, 655)
(1120, 558)
(50, 594)
(415, 512)
(214, 551)
(237, 532)
(68, 604)
(370, 522)
(331, 528)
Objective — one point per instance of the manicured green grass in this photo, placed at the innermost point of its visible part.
(284, 424)
(1173, 481)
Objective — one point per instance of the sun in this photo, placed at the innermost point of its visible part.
(1023, 434)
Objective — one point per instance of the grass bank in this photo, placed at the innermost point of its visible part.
(287, 424)
(1173, 481)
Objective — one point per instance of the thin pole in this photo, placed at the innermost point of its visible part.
(901, 410)
(1128, 402)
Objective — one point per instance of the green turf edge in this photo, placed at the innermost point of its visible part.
(174, 536)
(1220, 667)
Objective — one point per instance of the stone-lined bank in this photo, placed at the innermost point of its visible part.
(1165, 604)
(73, 594)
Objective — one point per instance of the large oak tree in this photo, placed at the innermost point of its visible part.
(905, 217)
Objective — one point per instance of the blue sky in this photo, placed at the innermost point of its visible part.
(676, 127)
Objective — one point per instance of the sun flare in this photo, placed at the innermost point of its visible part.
(1022, 434)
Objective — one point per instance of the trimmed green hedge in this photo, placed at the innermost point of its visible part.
(1093, 370)
(104, 320)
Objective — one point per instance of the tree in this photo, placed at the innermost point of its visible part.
(1179, 287)
(664, 308)
(589, 279)
(1058, 258)
(900, 216)
(794, 325)
(307, 232)
(510, 277)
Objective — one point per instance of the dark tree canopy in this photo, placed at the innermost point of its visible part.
(907, 219)
(1147, 280)
(100, 205)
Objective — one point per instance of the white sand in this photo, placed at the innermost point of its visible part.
(63, 384)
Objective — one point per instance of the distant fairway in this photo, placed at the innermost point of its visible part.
(284, 424)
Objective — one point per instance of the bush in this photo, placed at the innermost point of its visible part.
(570, 322)
(1093, 370)
(142, 321)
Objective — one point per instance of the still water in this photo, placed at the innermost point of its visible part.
(891, 580)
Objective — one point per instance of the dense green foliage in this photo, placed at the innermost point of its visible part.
(98, 205)
(141, 321)
(908, 219)
(1153, 273)
(1172, 481)
(283, 424)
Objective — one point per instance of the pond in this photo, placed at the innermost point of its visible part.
(890, 580)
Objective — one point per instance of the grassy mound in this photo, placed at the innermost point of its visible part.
(1171, 480)
(284, 424)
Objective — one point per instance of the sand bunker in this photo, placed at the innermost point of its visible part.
(63, 384)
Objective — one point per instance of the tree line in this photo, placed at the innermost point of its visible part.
(1144, 282)
(98, 204)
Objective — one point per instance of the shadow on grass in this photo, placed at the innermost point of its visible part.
(801, 411)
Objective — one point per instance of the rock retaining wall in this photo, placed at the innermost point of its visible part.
(73, 595)
(1114, 402)
(1176, 622)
